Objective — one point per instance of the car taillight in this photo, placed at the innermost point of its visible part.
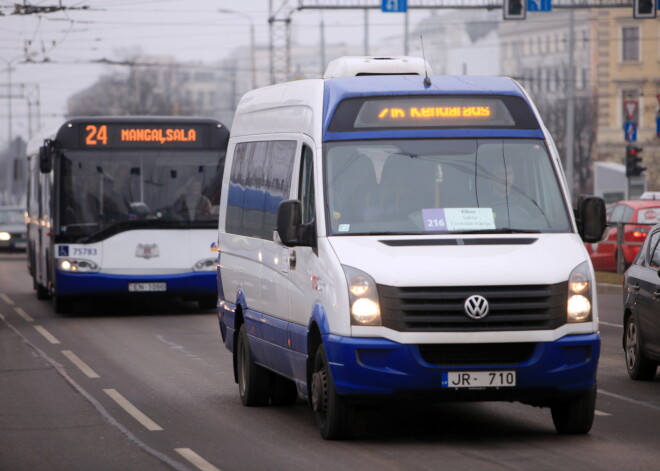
(639, 234)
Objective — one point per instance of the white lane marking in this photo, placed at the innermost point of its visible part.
(23, 314)
(630, 399)
(6, 299)
(132, 410)
(610, 324)
(82, 366)
(601, 413)
(196, 460)
(96, 404)
(47, 335)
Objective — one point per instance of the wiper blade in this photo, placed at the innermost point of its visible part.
(501, 230)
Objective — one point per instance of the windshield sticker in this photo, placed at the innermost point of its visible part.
(458, 219)
(344, 227)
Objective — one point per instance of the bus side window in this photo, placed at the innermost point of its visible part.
(306, 188)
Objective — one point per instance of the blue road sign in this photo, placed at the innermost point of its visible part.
(394, 6)
(539, 5)
(630, 129)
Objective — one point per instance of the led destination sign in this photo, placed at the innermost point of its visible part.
(142, 135)
(427, 112)
(433, 111)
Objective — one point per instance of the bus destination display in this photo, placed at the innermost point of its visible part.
(433, 111)
(138, 135)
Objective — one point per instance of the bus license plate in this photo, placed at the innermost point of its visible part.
(144, 287)
(479, 379)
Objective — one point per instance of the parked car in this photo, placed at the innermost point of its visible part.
(641, 298)
(640, 216)
(12, 228)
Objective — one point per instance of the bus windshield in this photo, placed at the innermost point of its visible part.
(103, 192)
(431, 186)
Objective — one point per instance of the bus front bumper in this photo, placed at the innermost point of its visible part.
(363, 367)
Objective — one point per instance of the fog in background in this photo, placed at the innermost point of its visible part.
(50, 56)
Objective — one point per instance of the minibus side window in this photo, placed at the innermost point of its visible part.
(306, 188)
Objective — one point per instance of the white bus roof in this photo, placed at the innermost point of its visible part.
(351, 66)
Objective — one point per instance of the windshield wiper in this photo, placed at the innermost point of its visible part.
(500, 230)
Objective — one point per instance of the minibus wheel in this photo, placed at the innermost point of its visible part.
(252, 379)
(576, 415)
(62, 304)
(334, 414)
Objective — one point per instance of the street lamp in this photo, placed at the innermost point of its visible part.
(252, 46)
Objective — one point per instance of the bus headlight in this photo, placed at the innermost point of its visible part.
(208, 264)
(77, 265)
(362, 297)
(5, 236)
(578, 308)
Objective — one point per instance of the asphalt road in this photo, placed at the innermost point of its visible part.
(130, 385)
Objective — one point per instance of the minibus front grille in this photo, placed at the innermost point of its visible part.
(429, 309)
(477, 354)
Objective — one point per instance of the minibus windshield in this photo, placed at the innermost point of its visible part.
(105, 192)
(427, 186)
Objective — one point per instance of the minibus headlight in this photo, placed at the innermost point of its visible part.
(5, 236)
(208, 264)
(77, 265)
(579, 294)
(362, 297)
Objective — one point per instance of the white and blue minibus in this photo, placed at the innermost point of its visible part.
(125, 206)
(386, 235)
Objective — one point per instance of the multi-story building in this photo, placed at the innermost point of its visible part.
(628, 87)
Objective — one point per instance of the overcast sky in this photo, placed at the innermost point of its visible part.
(62, 46)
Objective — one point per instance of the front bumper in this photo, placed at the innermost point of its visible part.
(183, 284)
(363, 367)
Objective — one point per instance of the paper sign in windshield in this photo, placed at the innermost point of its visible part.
(458, 219)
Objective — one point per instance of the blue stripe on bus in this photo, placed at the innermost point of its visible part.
(377, 366)
(81, 284)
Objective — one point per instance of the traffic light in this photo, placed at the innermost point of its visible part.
(515, 9)
(633, 158)
(645, 9)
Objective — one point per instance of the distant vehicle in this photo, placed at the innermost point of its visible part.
(12, 228)
(644, 213)
(126, 205)
(641, 297)
(398, 236)
(650, 195)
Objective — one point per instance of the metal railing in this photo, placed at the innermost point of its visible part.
(620, 242)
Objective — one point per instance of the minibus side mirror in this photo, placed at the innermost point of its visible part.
(591, 218)
(289, 220)
(290, 229)
(45, 159)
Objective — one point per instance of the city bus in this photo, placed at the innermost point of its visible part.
(125, 206)
(390, 236)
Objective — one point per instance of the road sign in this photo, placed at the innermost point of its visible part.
(630, 107)
(630, 129)
(539, 5)
(394, 6)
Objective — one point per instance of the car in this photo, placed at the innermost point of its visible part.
(12, 228)
(641, 299)
(639, 216)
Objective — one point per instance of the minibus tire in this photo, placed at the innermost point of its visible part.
(253, 380)
(42, 291)
(335, 415)
(576, 415)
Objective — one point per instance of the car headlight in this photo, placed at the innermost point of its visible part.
(5, 236)
(208, 264)
(578, 308)
(362, 297)
(77, 265)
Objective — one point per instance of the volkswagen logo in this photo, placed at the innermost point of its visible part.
(476, 306)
